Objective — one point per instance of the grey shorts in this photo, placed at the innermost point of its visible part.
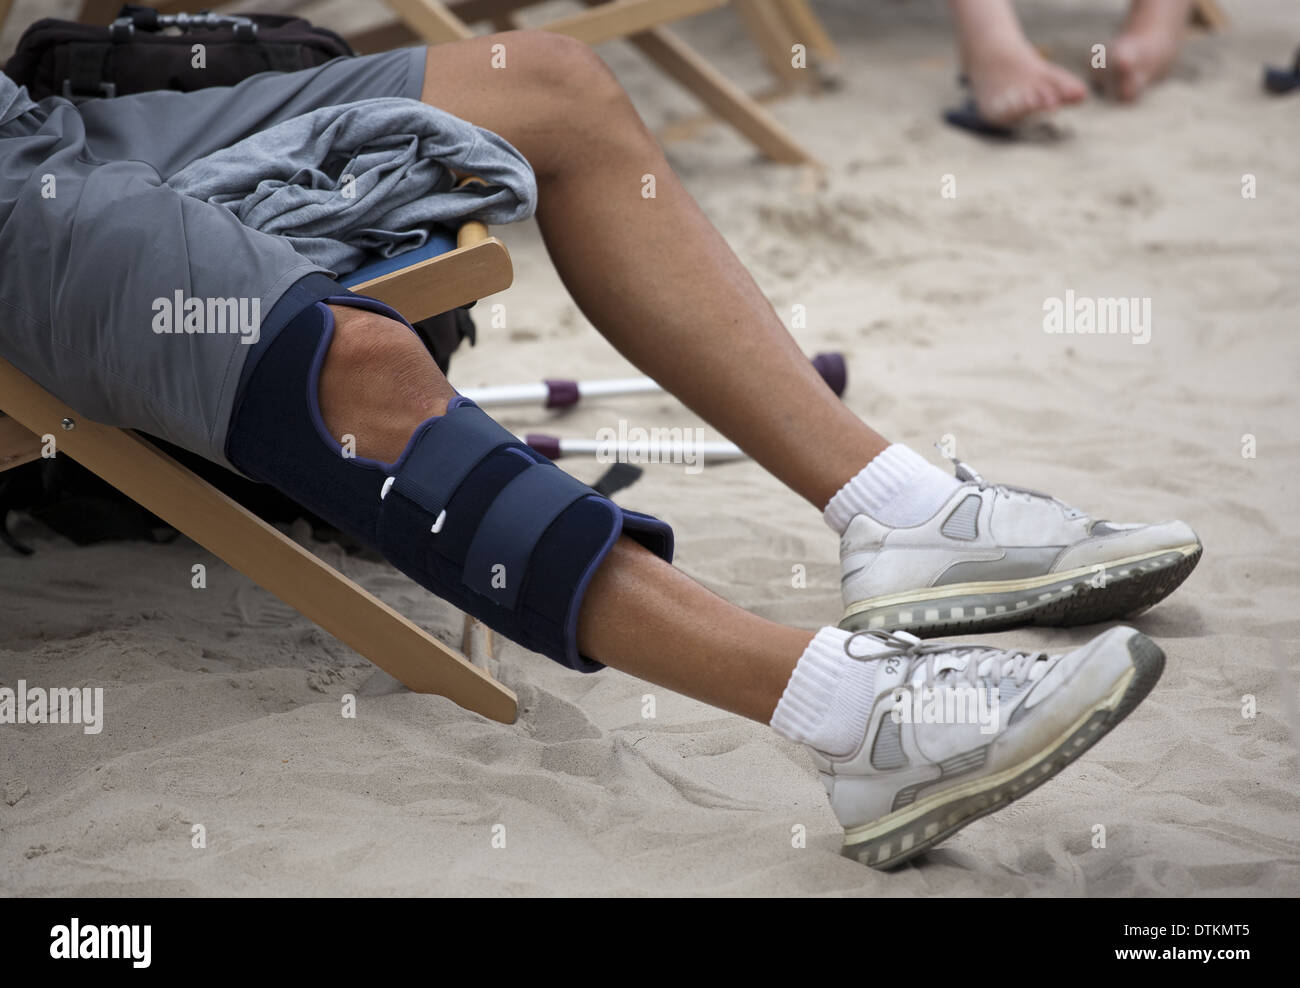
(91, 237)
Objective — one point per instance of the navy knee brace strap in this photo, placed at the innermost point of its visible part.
(468, 511)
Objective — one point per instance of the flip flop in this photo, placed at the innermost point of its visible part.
(968, 117)
(1281, 81)
(1034, 128)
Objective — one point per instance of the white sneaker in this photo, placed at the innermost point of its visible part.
(995, 556)
(911, 784)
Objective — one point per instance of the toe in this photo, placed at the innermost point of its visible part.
(1069, 87)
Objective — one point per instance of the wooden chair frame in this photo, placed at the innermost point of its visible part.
(32, 419)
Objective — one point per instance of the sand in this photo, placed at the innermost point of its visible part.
(223, 707)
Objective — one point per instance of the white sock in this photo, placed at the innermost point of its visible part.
(829, 697)
(899, 488)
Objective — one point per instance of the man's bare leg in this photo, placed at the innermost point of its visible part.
(653, 275)
(660, 283)
(639, 614)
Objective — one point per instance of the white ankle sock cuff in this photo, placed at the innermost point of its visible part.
(828, 700)
(898, 488)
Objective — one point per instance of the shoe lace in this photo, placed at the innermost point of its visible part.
(967, 475)
(982, 662)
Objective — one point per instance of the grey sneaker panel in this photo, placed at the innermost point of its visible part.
(963, 523)
(1016, 564)
(967, 761)
(887, 751)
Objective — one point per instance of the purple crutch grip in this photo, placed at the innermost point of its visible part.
(833, 370)
(561, 394)
(548, 446)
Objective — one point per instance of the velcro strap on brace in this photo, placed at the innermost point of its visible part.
(444, 451)
(522, 537)
(513, 526)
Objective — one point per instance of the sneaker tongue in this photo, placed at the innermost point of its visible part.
(1069, 512)
(946, 665)
(990, 665)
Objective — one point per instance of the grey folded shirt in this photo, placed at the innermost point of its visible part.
(13, 99)
(344, 184)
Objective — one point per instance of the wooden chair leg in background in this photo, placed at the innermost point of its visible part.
(808, 29)
(1209, 15)
(727, 100)
(433, 22)
(774, 38)
(776, 27)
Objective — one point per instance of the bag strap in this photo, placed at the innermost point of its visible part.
(284, 58)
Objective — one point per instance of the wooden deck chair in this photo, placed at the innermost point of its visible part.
(32, 420)
(639, 22)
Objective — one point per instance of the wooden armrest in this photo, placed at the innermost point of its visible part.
(479, 268)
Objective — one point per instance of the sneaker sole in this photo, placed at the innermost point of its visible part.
(894, 839)
(1083, 596)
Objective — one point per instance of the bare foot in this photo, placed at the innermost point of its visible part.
(1143, 53)
(1011, 83)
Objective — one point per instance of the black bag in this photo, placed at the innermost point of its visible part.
(143, 50)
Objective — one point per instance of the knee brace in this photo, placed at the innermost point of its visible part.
(468, 511)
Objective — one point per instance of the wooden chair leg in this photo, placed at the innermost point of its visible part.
(259, 551)
(617, 19)
(383, 37)
(1209, 15)
(468, 646)
(771, 33)
(807, 28)
(431, 20)
(721, 95)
